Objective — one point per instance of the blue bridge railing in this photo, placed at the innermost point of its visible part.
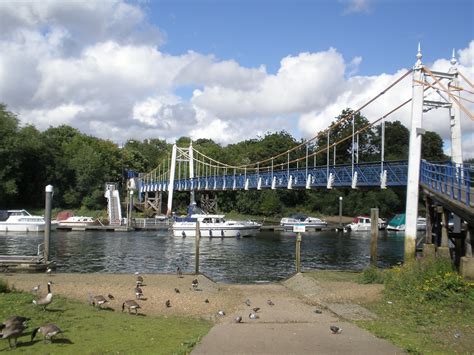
(452, 180)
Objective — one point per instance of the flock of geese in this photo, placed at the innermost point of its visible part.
(13, 327)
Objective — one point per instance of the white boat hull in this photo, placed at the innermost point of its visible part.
(188, 229)
(24, 227)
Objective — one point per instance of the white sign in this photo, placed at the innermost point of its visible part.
(299, 228)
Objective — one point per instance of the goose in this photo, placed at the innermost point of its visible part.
(270, 303)
(176, 290)
(48, 331)
(111, 297)
(131, 305)
(256, 309)
(35, 289)
(46, 300)
(168, 303)
(247, 302)
(206, 300)
(49, 270)
(15, 320)
(335, 329)
(238, 319)
(221, 313)
(253, 316)
(13, 331)
(318, 311)
(139, 281)
(98, 301)
(138, 293)
(195, 283)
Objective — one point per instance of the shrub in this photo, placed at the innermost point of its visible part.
(371, 275)
(4, 286)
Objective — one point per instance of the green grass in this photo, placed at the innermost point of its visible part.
(425, 305)
(88, 331)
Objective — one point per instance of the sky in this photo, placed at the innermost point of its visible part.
(226, 70)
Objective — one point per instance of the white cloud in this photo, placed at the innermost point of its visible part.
(355, 6)
(96, 65)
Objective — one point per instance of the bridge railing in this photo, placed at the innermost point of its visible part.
(447, 178)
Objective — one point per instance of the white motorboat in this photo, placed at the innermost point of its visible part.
(397, 223)
(302, 220)
(77, 222)
(22, 221)
(212, 225)
(363, 224)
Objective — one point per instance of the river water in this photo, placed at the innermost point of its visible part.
(269, 256)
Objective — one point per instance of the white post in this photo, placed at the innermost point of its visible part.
(171, 182)
(191, 172)
(455, 111)
(414, 157)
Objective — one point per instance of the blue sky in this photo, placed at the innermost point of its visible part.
(385, 33)
(224, 70)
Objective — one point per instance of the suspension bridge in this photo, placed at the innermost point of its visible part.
(446, 184)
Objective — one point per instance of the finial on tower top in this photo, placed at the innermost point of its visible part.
(453, 58)
(418, 56)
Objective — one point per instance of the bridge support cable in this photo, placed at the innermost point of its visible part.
(327, 159)
(383, 172)
(352, 147)
(455, 116)
(306, 170)
(171, 181)
(414, 156)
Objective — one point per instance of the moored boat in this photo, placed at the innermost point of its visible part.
(22, 221)
(77, 222)
(212, 225)
(302, 220)
(397, 223)
(363, 224)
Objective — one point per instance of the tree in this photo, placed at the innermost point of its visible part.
(432, 147)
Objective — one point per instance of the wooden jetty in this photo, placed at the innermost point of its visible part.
(23, 263)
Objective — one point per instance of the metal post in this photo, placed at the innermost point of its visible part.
(197, 240)
(374, 234)
(414, 157)
(47, 221)
(340, 212)
(130, 209)
(455, 113)
(171, 182)
(298, 252)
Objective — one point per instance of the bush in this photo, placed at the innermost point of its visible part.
(372, 275)
(4, 287)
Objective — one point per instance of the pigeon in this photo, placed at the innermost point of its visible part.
(238, 319)
(335, 329)
(318, 311)
(253, 316)
(179, 272)
(247, 302)
(110, 296)
(221, 313)
(457, 334)
(49, 270)
(195, 283)
(139, 281)
(270, 303)
(206, 301)
(256, 309)
(168, 303)
(176, 290)
(35, 289)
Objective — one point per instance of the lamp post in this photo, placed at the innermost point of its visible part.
(340, 212)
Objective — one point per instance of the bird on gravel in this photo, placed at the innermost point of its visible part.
(318, 311)
(138, 293)
(335, 329)
(238, 319)
(176, 290)
(48, 331)
(247, 302)
(139, 281)
(179, 272)
(221, 313)
(270, 303)
(206, 301)
(168, 303)
(111, 297)
(195, 283)
(253, 316)
(256, 309)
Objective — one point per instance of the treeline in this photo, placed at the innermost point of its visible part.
(78, 165)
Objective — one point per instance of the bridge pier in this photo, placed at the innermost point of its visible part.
(443, 249)
(466, 265)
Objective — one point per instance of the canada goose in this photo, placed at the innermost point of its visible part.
(253, 316)
(48, 331)
(221, 313)
(138, 293)
(15, 320)
(195, 283)
(13, 331)
(256, 309)
(46, 300)
(131, 305)
(238, 319)
(111, 297)
(97, 301)
(335, 329)
(139, 281)
(176, 290)
(168, 303)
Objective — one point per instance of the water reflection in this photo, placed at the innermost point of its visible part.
(267, 257)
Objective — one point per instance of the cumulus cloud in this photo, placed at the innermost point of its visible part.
(98, 67)
(355, 6)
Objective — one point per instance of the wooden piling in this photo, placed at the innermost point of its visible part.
(298, 252)
(429, 221)
(197, 240)
(47, 220)
(374, 234)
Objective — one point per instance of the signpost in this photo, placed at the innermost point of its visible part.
(298, 229)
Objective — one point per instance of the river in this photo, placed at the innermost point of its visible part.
(269, 256)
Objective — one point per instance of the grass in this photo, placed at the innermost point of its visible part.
(426, 308)
(88, 331)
